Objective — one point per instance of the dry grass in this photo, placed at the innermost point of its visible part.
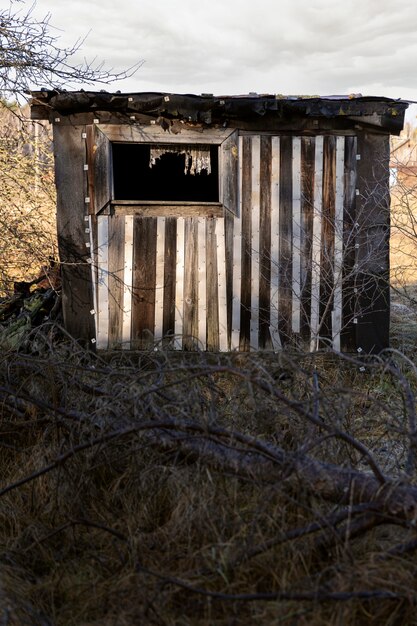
(100, 538)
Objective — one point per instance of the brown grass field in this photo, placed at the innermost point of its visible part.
(104, 522)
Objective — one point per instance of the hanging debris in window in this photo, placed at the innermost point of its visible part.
(197, 158)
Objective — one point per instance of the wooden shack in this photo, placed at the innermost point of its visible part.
(223, 223)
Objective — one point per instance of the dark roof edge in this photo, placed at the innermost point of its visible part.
(387, 113)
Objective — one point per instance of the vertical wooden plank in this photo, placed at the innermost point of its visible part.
(237, 261)
(327, 239)
(338, 244)
(275, 184)
(307, 216)
(229, 171)
(255, 267)
(127, 283)
(144, 273)
(221, 283)
(169, 280)
(348, 335)
(202, 285)
(190, 309)
(228, 225)
(372, 239)
(159, 279)
(91, 222)
(296, 234)
(230, 182)
(100, 169)
(212, 286)
(285, 241)
(116, 277)
(265, 244)
(316, 244)
(77, 290)
(179, 282)
(103, 282)
(246, 257)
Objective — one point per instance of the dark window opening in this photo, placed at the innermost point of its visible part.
(184, 173)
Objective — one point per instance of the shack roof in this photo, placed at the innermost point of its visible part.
(386, 114)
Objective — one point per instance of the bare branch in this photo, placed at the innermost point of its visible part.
(30, 56)
(316, 596)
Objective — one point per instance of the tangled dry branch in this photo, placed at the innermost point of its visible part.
(226, 467)
(31, 57)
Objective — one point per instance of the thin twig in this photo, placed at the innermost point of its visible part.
(315, 596)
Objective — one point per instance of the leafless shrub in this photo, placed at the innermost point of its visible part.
(404, 214)
(195, 489)
(31, 56)
(27, 192)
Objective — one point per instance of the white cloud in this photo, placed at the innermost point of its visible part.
(237, 46)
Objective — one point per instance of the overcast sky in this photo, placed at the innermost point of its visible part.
(238, 46)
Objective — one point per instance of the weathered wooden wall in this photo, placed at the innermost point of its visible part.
(165, 284)
(75, 255)
(285, 270)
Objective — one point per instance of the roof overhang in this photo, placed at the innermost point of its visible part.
(384, 114)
